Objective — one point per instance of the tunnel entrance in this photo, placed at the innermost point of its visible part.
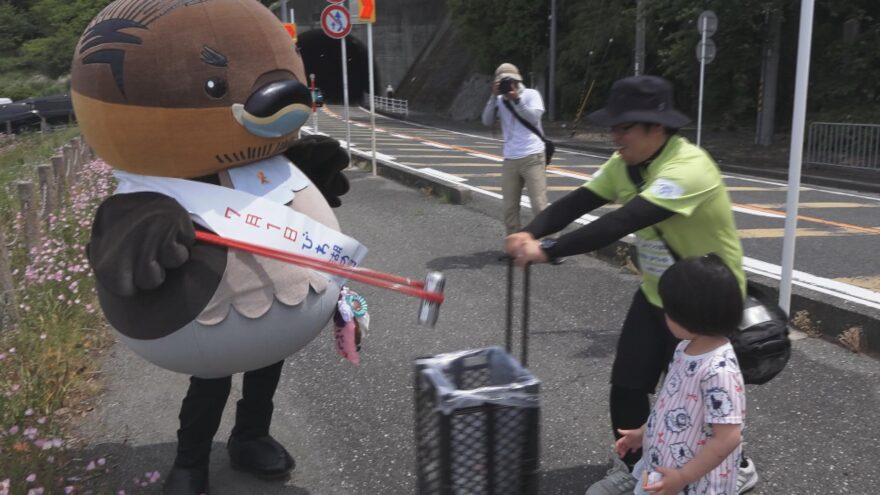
(322, 57)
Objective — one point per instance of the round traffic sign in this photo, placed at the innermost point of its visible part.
(707, 21)
(709, 55)
(336, 21)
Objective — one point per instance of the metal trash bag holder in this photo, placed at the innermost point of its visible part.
(477, 417)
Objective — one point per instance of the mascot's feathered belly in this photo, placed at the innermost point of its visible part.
(221, 311)
(262, 312)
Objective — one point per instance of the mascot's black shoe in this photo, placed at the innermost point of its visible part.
(262, 457)
(186, 481)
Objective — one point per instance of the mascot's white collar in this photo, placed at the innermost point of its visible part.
(275, 179)
(254, 211)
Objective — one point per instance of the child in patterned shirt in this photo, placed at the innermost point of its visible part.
(692, 437)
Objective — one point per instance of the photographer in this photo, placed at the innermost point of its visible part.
(523, 150)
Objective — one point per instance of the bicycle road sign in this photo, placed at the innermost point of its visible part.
(336, 21)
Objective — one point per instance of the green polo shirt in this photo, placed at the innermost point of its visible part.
(683, 179)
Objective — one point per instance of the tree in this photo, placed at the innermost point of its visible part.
(595, 49)
(499, 31)
(59, 24)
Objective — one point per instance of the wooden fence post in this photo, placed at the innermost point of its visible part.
(77, 156)
(8, 301)
(67, 153)
(47, 192)
(31, 225)
(59, 169)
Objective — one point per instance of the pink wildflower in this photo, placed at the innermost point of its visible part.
(31, 478)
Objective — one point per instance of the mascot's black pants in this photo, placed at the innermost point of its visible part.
(203, 406)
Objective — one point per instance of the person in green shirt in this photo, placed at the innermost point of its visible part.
(675, 202)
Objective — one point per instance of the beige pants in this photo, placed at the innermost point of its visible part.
(528, 171)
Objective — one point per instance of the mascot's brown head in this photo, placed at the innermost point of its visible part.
(186, 88)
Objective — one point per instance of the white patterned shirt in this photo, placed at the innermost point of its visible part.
(698, 391)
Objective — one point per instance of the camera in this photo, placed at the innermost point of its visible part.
(506, 84)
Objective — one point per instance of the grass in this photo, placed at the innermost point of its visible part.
(48, 356)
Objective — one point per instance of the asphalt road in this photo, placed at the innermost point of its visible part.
(810, 431)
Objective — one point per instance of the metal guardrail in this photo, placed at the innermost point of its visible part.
(392, 105)
(834, 144)
(41, 113)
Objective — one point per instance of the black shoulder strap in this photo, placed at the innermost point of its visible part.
(635, 176)
(523, 121)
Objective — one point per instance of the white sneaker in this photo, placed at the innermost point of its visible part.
(618, 481)
(747, 477)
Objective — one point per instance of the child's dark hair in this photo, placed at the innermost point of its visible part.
(702, 295)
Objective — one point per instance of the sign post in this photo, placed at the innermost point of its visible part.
(314, 102)
(336, 23)
(365, 13)
(707, 24)
(795, 154)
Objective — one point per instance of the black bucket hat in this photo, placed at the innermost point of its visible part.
(640, 99)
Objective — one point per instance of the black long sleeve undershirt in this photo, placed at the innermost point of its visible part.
(637, 214)
(564, 211)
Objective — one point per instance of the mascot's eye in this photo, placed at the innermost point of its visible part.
(215, 87)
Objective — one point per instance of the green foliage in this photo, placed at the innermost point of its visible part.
(594, 51)
(845, 80)
(37, 39)
(499, 31)
(19, 85)
(844, 71)
(14, 29)
(732, 78)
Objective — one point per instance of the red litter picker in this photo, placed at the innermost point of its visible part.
(430, 291)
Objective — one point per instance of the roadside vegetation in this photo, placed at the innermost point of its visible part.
(48, 350)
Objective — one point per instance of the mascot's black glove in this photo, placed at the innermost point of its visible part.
(322, 160)
(137, 237)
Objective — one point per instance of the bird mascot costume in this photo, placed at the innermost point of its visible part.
(197, 107)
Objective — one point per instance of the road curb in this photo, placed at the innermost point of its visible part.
(826, 317)
(446, 191)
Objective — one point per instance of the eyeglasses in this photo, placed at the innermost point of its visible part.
(621, 129)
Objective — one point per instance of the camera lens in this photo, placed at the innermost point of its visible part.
(505, 85)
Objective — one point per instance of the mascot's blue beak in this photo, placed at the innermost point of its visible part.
(276, 109)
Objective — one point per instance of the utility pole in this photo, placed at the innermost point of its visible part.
(551, 90)
(769, 78)
(639, 65)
